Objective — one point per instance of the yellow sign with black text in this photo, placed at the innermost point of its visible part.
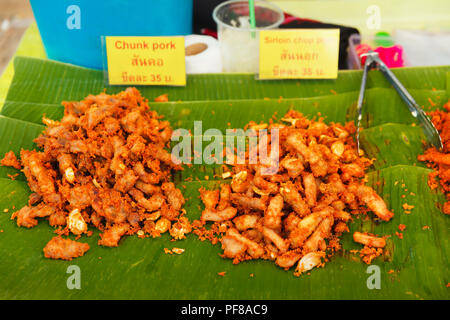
(299, 54)
(146, 61)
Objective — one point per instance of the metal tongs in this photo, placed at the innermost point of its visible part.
(373, 60)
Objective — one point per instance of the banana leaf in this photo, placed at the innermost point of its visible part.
(415, 267)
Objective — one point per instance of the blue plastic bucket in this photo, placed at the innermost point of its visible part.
(71, 29)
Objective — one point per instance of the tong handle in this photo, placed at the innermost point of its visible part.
(362, 90)
(404, 94)
(430, 131)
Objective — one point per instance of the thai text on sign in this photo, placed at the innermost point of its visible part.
(299, 54)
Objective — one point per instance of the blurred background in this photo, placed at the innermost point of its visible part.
(414, 23)
(15, 17)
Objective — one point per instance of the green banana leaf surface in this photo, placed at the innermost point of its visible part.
(415, 267)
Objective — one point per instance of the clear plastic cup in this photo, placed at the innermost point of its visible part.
(239, 43)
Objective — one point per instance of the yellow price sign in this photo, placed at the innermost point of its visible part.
(146, 60)
(299, 54)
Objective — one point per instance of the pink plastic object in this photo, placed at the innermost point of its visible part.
(391, 56)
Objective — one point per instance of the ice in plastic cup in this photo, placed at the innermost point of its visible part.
(239, 43)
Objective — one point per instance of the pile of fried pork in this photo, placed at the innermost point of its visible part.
(296, 215)
(104, 164)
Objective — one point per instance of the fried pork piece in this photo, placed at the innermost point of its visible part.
(246, 221)
(225, 197)
(34, 198)
(111, 236)
(351, 170)
(10, 160)
(26, 217)
(217, 204)
(64, 249)
(58, 218)
(248, 202)
(295, 215)
(432, 155)
(334, 185)
(369, 240)
(276, 239)
(294, 166)
(288, 259)
(253, 248)
(293, 197)
(147, 188)
(104, 164)
(439, 161)
(310, 186)
(217, 216)
(446, 209)
(126, 181)
(66, 166)
(154, 203)
(317, 239)
(311, 154)
(174, 196)
(40, 179)
(273, 213)
(78, 196)
(375, 203)
(305, 227)
(291, 222)
(265, 186)
(210, 198)
(151, 178)
(232, 248)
